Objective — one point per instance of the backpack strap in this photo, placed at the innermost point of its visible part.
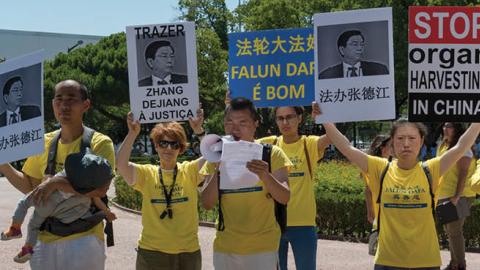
(279, 208)
(52, 154)
(426, 170)
(220, 224)
(382, 177)
(52, 149)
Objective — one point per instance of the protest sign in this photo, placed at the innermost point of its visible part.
(272, 68)
(443, 66)
(21, 108)
(162, 72)
(354, 65)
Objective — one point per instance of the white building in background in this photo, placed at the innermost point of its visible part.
(15, 43)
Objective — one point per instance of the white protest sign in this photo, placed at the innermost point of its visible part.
(443, 66)
(162, 72)
(354, 65)
(21, 108)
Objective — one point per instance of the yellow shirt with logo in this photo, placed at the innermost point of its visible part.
(35, 167)
(408, 237)
(248, 213)
(301, 208)
(180, 233)
(449, 180)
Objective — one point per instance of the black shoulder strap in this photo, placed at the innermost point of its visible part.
(279, 208)
(52, 150)
(426, 170)
(220, 224)
(266, 154)
(382, 177)
(52, 154)
(307, 157)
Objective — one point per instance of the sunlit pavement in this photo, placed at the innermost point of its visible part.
(330, 255)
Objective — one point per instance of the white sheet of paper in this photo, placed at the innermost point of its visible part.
(233, 171)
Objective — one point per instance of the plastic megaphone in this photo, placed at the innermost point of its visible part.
(211, 147)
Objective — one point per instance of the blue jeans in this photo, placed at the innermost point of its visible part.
(383, 267)
(303, 240)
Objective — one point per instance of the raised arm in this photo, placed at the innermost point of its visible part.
(324, 141)
(196, 123)
(124, 166)
(18, 179)
(450, 157)
(353, 154)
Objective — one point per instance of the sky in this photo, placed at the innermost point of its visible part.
(87, 17)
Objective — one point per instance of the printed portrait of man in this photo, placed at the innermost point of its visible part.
(15, 110)
(351, 47)
(160, 58)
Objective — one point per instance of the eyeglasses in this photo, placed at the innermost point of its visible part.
(289, 118)
(173, 145)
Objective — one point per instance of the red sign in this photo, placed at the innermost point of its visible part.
(445, 25)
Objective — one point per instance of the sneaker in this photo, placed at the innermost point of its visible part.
(12, 233)
(24, 255)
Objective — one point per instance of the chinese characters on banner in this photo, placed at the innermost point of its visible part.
(354, 65)
(443, 67)
(21, 109)
(162, 72)
(272, 68)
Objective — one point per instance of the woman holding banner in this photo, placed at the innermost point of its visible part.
(304, 152)
(407, 234)
(169, 237)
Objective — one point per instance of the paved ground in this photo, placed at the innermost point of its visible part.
(332, 255)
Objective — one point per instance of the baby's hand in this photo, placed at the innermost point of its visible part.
(110, 216)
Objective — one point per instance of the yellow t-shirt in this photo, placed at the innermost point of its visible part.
(475, 179)
(301, 208)
(35, 167)
(450, 179)
(248, 213)
(408, 237)
(180, 233)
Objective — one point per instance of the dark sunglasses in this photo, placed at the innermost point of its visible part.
(173, 145)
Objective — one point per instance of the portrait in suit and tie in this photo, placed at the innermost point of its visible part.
(15, 110)
(160, 59)
(351, 46)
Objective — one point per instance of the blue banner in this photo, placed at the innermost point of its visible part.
(273, 68)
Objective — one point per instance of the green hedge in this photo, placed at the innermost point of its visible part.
(341, 210)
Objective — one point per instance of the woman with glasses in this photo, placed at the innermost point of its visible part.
(304, 152)
(456, 190)
(169, 189)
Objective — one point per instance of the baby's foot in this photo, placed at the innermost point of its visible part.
(24, 255)
(12, 233)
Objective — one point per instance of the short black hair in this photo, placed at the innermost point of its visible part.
(152, 48)
(76, 84)
(9, 83)
(241, 103)
(343, 38)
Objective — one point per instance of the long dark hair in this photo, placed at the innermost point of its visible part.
(378, 143)
(458, 130)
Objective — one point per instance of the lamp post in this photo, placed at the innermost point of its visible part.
(79, 42)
